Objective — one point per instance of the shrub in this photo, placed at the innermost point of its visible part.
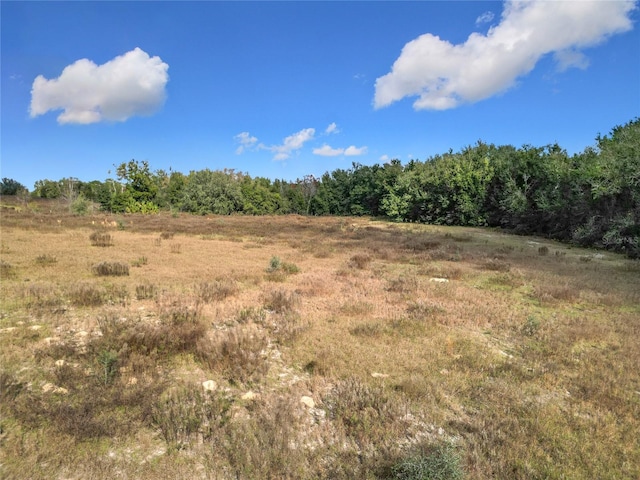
(101, 239)
(176, 248)
(281, 301)
(441, 462)
(140, 262)
(542, 251)
(238, 353)
(80, 206)
(403, 284)
(116, 269)
(360, 261)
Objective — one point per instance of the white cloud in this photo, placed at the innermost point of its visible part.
(245, 140)
(486, 17)
(291, 143)
(130, 84)
(327, 151)
(332, 128)
(445, 76)
(352, 151)
(384, 158)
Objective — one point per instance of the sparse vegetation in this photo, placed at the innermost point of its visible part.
(409, 352)
(105, 269)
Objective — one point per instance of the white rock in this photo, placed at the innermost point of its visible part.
(249, 395)
(209, 386)
(60, 363)
(308, 401)
(439, 280)
(379, 375)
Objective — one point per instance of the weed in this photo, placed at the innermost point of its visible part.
(369, 329)
(274, 264)
(531, 326)
(7, 270)
(145, 291)
(251, 314)
(115, 269)
(176, 248)
(108, 362)
(140, 262)
(45, 260)
(101, 239)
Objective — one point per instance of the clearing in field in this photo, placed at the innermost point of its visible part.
(172, 346)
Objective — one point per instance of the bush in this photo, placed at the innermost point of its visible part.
(115, 269)
(101, 239)
(441, 462)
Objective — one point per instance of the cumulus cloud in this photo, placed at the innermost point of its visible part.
(130, 84)
(332, 128)
(327, 151)
(246, 142)
(384, 158)
(445, 76)
(292, 143)
(352, 151)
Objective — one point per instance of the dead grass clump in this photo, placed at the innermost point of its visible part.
(177, 309)
(552, 293)
(543, 251)
(423, 311)
(266, 443)
(101, 239)
(115, 269)
(368, 329)
(421, 243)
(184, 413)
(356, 308)
(405, 284)
(85, 294)
(238, 354)
(495, 265)
(217, 290)
(286, 327)
(367, 414)
(176, 248)
(166, 235)
(360, 261)
(251, 315)
(7, 270)
(462, 237)
(42, 296)
(281, 301)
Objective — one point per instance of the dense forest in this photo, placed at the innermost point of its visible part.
(591, 198)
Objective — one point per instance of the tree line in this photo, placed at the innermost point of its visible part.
(591, 198)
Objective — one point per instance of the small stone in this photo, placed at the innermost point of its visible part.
(379, 375)
(48, 387)
(249, 395)
(209, 386)
(60, 363)
(439, 280)
(35, 327)
(308, 401)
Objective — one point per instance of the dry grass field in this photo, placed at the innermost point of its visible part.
(181, 347)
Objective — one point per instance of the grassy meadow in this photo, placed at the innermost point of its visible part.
(287, 347)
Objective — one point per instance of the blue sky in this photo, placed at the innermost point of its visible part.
(285, 89)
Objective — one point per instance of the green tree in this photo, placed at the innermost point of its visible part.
(9, 186)
(217, 192)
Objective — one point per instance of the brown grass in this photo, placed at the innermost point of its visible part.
(524, 362)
